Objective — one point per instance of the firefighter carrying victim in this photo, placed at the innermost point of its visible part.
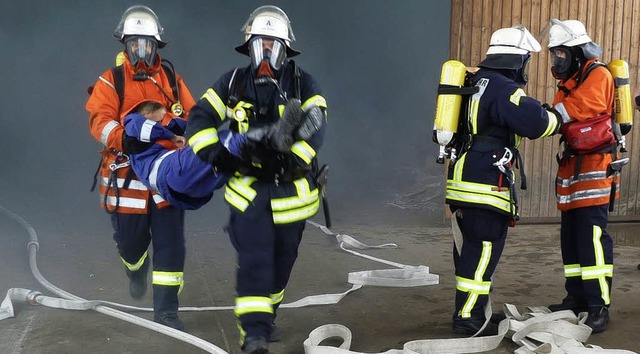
(276, 116)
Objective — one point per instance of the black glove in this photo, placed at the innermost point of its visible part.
(548, 108)
(280, 135)
(312, 121)
(131, 145)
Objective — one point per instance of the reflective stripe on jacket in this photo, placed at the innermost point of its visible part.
(500, 113)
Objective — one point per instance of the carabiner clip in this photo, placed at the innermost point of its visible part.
(504, 160)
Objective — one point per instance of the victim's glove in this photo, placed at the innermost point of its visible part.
(131, 145)
(235, 143)
(312, 121)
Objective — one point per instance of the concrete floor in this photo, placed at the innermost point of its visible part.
(84, 262)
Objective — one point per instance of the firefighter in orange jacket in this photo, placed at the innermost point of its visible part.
(583, 186)
(136, 212)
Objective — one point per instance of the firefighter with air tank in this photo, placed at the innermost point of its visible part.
(495, 113)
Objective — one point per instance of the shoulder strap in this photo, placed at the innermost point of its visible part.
(118, 82)
(169, 70)
(589, 69)
(297, 76)
(237, 85)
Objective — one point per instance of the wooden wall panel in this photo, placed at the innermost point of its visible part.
(613, 24)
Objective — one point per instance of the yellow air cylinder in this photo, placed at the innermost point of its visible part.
(448, 105)
(120, 58)
(622, 100)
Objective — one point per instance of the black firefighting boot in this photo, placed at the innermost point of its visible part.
(598, 319)
(255, 345)
(471, 326)
(138, 280)
(570, 302)
(276, 334)
(165, 306)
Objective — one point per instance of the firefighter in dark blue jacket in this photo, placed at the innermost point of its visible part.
(276, 115)
(481, 182)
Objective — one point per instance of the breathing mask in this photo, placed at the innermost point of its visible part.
(267, 55)
(141, 49)
(565, 62)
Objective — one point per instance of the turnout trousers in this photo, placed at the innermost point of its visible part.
(587, 254)
(266, 255)
(484, 233)
(164, 230)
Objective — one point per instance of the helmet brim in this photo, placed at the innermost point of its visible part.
(244, 49)
(502, 61)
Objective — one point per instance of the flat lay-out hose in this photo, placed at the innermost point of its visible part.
(537, 331)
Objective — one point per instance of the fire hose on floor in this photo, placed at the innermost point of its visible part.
(538, 331)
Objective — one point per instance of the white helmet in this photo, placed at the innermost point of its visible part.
(268, 21)
(513, 40)
(139, 20)
(568, 33)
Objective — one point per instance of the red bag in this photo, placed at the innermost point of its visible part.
(590, 135)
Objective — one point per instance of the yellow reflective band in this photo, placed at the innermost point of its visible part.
(553, 124)
(465, 311)
(203, 138)
(596, 272)
(214, 100)
(303, 151)
(483, 263)
(242, 186)
(518, 140)
(235, 199)
(289, 203)
(291, 216)
(302, 186)
(243, 333)
(137, 265)
(572, 270)
(457, 169)
(281, 110)
(473, 115)
(479, 199)
(243, 127)
(252, 304)
(601, 270)
(168, 278)
(515, 97)
(473, 286)
(316, 100)
(597, 245)
(277, 298)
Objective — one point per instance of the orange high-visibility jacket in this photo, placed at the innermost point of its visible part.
(106, 117)
(591, 98)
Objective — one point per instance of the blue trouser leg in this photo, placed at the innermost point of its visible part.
(587, 249)
(484, 234)
(164, 228)
(266, 255)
